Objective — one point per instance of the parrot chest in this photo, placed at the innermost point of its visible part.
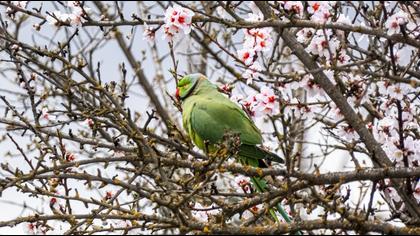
(188, 107)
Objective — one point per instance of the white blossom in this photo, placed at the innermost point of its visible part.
(394, 22)
(177, 19)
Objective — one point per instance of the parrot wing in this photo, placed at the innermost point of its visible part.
(211, 118)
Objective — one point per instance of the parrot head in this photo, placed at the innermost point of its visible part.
(187, 84)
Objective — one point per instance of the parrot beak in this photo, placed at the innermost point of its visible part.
(177, 94)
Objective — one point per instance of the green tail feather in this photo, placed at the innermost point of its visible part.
(257, 153)
(252, 155)
(260, 186)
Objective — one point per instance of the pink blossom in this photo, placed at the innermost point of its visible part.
(149, 33)
(315, 6)
(35, 228)
(58, 17)
(89, 122)
(265, 101)
(322, 45)
(74, 3)
(76, 20)
(226, 88)
(53, 201)
(394, 22)
(249, 104)
(347, 133)
(343, 58)
(320, 10)
(299, 110)
(258, 39)
(386, 124)
(21, 4)
(252, 72)
(177, 18)
(305, 34)
(266, 95)
(386, 132)
(417, 191)
(397, 91)
(336, 112)
(391, 193)
(254, 209)
(246, 55)
(169, 32)
(78, 13)
(237, 98)
(312, 88)
(294, 6)
(69, 156)
(108, 195)
(243, 182)
(46, 115)
(15, 47)
(251, 211)
(30, 228)
(383, 87)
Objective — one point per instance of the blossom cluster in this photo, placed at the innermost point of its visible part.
(12, 12)
(177, 19)
(293, 7)
(402, 20)
(35, 228)
(320, 11)
(324, 44)
(75, 18)
(256, 40)
(396, 127)
(396, 131)
(259, 104)
(21, 4)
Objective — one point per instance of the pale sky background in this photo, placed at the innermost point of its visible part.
(110, 57)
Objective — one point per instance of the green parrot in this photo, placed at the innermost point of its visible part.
(208, 115)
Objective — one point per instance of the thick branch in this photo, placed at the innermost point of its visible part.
(377, 153)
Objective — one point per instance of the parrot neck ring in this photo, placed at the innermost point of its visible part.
(181, 93)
